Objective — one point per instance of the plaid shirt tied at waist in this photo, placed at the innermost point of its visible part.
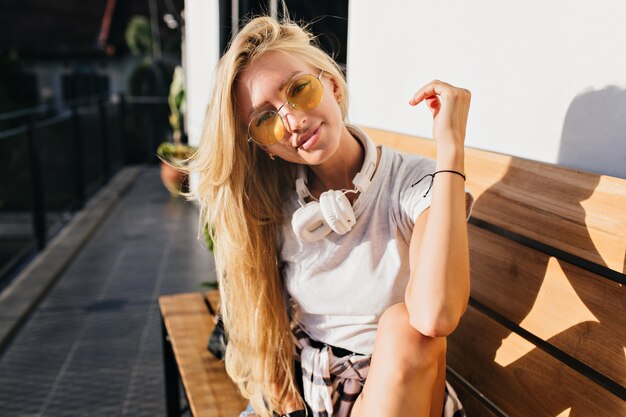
(332, 381)
(331, 384)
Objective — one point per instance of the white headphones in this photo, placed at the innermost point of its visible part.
(314, 220)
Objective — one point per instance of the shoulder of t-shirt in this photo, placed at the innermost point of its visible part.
(402, 171)
(407, 168)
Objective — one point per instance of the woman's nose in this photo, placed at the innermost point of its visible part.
(294, 119)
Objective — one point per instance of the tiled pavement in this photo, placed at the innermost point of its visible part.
(92, 347)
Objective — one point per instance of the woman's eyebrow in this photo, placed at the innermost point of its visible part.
(280, 87)
(289, 77)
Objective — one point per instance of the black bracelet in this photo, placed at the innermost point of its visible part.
(433, 178)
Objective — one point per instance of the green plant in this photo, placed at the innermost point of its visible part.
(139, 36)
(174, 152)
(148, 78)
(176, 101)
(210, 284)
(208, 239)
(210, 246)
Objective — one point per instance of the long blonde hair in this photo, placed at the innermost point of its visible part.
(240, 192)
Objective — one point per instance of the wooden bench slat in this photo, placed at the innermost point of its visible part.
(577, 212)
(210, 392)
(569, 307)
(533, 384)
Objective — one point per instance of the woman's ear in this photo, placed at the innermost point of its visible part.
(337, 92)
(269, 153)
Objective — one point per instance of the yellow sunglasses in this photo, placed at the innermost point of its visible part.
(304, 93)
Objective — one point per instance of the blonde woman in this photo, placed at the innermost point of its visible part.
(342, 266)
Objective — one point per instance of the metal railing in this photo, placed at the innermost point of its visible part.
(57, 157)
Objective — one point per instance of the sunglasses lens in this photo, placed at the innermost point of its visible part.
(305, 93)
(266, 128)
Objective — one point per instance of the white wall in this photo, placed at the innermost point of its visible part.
(548, 79)
(201, 53)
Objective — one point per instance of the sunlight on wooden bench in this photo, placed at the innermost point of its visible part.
(545, 331)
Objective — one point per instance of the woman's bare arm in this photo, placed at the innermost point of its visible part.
(438, 288)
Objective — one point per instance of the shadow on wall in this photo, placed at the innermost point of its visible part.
(594, 133)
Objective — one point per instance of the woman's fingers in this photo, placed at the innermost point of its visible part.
(437, 88)
(433, 88)
(449, 106)
(433, 104)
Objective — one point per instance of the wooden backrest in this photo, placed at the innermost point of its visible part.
(210, 392)
(545, 333)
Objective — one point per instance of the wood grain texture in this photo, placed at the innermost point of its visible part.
(578, 212)
(472, 406)
(210, 391)
(535, 384)
(571, 308)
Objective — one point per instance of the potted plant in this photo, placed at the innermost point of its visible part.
(172, 157)
(173, 154)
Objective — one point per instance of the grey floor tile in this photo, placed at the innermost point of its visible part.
(92, 347)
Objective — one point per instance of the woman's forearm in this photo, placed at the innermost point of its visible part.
(438, 288)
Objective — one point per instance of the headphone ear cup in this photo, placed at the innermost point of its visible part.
(308, 223)
(337, 211)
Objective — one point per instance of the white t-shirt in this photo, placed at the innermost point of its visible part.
(341, 285)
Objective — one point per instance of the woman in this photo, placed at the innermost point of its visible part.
(350, 258)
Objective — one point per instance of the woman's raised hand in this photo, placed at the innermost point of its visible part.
(450, 107)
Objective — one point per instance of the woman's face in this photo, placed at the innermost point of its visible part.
(312, 136)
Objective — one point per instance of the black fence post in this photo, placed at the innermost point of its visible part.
(78, 157)
(122, 137)
(172, 395)
(106, 166)
(150, 132)
(148, 120)
(39, 212)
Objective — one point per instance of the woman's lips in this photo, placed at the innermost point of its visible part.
(311, 140)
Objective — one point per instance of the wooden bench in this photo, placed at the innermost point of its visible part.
(187, 322)
(545, 332)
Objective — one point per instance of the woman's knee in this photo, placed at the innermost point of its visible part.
(402, 343)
